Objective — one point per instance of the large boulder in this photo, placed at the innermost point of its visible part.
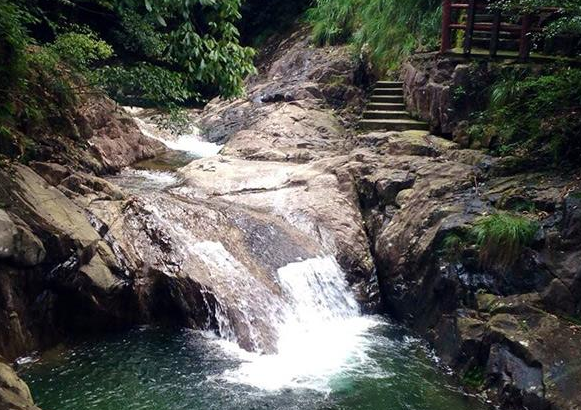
(57, 270)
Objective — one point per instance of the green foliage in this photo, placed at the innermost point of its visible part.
(394, 29)
(80, 50)
(566, 22)
(334, 21)
(502, 237)
(452, 246)
(202, 41)
(145, 84)
(193, 45)
(14, 39)
(474, 378)
(389, 30)
(262, 19)
(535, 114)
(139, 35)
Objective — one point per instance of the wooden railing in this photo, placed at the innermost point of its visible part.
(522, 30)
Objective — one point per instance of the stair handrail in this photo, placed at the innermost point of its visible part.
(524, 29)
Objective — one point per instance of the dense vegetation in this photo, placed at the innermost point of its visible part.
(386, 30)
(533, 114)
(145, 52)
(152, 51)
(566, 22)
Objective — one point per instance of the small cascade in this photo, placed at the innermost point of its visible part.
(245, 309)
(321, 333)
(190, 141)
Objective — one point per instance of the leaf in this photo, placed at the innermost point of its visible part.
(161, 20)
(148, 5)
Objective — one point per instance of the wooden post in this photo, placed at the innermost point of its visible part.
(495, 33)
(525, 39)
(470, 27)
(446, 21)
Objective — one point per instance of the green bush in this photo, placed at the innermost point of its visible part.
(532, 114)
(80, 50)
(388, 29)
(566, 22)
(502, 237)
(334, 21)
(145, 84)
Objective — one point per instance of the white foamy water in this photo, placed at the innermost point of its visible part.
(190, 142)
(321, 335)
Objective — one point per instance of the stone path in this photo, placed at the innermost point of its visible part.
(386, 110)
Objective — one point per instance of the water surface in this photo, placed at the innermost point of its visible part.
(159, 369)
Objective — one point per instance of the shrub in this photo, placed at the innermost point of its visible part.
(334, 21)
(532, 114)
(566, 22)
(80, 50)
(13, 42)
(502, 237)
(145, 84)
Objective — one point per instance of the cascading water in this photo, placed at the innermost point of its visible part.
(320, 331)
(188, 141)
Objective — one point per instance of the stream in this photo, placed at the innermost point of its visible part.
(307, 344)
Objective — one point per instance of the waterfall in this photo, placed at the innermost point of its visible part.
(190, 141)
(321, 333)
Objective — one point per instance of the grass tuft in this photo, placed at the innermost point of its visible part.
(502, 237)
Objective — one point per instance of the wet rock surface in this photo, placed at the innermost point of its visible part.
(14, 394)
(516, 328)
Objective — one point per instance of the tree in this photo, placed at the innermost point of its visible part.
(196, 40)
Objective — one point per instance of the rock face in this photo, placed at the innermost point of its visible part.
(516, 328)
(444, 91)
(296, 78)
(55, 262)
(113, 136)
(93, 135)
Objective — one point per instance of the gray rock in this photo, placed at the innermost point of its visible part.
(51, 172)
(18, 244)
(14, 393)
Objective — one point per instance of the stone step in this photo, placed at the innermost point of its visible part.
(388, 91)
(396, 99)
(393, 125)
(386, 115)
(389, 84)
(386, 107)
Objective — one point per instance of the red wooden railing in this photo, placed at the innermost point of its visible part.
(523, 29)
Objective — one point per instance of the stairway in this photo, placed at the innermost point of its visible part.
(386, 110)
